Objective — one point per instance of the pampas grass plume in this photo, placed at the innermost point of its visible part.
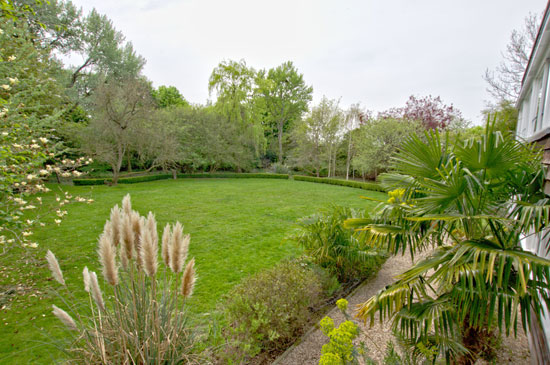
(86, 275)
(96, 291)
(116, 223)
(54, 267)
(127, 235)
(127, 205)
(178, 248)
(151, 225)
(166, 241)
(149, 253)
(64, 317)
(107, 256)
(188, 282)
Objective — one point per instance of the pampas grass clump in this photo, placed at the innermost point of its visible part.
(143, 318)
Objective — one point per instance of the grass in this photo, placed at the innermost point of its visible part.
(236, 228)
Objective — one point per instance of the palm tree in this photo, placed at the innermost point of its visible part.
(472, 203)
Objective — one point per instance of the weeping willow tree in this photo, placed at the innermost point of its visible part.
(471, 204)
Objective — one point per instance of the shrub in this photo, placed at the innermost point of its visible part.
(144, 320)
(268, 310)
(279, 168)
(138, 179)
(350, 183)
(234, 175)
(334, 247)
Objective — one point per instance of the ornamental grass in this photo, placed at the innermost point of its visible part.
(143, 318)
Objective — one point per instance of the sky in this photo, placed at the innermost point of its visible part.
(374, 52)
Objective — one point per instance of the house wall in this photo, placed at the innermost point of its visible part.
(534, 126)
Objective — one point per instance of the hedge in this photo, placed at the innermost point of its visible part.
(138, 179)
(350, 183)
(233, 175)
(122, 180)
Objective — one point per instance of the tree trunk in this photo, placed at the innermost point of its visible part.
(280, 138)
(348, 158)
(129, 161)
(174, 174)
(329, 160)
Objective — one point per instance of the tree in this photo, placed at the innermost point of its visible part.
(317, 135)
(354, 116)
(233, 83)
(377, 140)
(31, 104)
(504, 116)
(472, 202)
(504, 83)
(284, 96)
(167, 96)
(120, 108)
(430, 111)
(103, 50)
(55, 25)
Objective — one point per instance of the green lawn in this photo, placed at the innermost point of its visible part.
(236, 227)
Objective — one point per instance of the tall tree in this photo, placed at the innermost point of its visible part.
(317, 135)
(233, 83)
(284, 96)
(430, 111)
(377, 140)
(354, 117)
(167, 96)
(103, 50)
(504, 82)
(120, 108)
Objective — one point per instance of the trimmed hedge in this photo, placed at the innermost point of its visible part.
(234, 175)
(122, 180)
(350, 183)
(138, 179)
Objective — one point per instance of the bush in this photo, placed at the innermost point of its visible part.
(350, 183)
(123, 180)
(334, 247)
(234, 175)
(269, 310)
(279, 168)
(143, 320)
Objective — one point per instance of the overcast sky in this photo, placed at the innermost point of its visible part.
(374, 52)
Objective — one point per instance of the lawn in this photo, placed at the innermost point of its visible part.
(236, 225)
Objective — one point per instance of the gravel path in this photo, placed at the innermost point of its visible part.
(308, 351)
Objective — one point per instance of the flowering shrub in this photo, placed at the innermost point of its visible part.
(30, 106)
(144, 321)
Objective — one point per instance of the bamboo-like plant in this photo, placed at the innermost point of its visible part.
(334, 247)
(144, 320)
(472, 203)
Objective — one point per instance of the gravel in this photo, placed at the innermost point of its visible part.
(308, 349)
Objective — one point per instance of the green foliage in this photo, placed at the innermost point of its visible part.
(208, 140)
(334, 247)
(317, 136)
(377, 140)
(258, 320)
(504, 116)
(340, 349)
(472, 202)
(138, 179)
(350, 183)
(169, 96)
(282, 96)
